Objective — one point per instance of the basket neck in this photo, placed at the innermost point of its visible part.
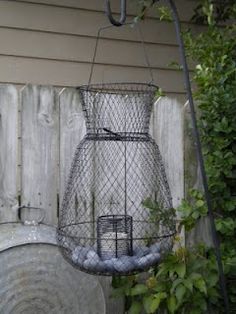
(118, 112)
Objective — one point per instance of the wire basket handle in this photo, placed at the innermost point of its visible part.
(141, 41)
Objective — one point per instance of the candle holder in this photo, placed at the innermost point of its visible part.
(114, 236)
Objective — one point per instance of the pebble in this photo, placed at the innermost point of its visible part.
(124, 264)
(94, 265)
(143, 258)
(109, 264)
(148, 260)
(155, 248)
(141, 251)
(79, 254)
(92, 255)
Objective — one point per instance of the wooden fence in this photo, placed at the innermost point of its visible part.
(40, 127)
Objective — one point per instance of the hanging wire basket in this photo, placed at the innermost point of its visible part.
(104, 226)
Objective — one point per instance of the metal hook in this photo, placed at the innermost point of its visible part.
(122, 14)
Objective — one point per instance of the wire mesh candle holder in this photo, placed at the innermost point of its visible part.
(104, 227)
(114, 236)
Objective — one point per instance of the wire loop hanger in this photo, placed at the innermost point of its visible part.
(141, 39)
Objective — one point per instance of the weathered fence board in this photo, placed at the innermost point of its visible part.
(72, 130)
(167, 130)
(8, 152)
(40, 149)
(202, 231)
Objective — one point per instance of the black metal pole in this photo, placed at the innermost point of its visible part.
(199, 153)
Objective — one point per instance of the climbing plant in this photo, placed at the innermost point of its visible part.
(187, 279)
(185, 282)
(215, 77)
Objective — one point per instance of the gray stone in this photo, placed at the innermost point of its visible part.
(94, 265)
(109, 264)
(124, 264)
(141, 251)
(155, 248)
(148, 260)
(74, 257)
(92, 255)
(79, 254)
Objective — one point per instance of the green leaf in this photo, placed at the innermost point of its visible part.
(159, 93)
(195, 215)
(136, 308)
(212, 279)
(155, 304)
(199, 203)
(138, 289)
(180, 292)
(194, 276)
(172, 304)
(200, 285)
(195, 311)
(188, 284)
(157, 300)
(164, 14)
(161, 295)
(180, 270)
(147, 301)
(175, 284)
(149, 203)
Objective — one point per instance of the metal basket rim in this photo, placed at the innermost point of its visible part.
(121, 87)
(60, 232)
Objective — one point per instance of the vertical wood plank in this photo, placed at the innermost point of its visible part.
(8, 152)
(40, 149)
(167, 130)
(72, 130)
(201, 233)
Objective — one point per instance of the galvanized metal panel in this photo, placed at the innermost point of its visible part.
(36, 279)
(8, 152)
(40, 149)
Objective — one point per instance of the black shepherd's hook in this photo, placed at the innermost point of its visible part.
(122, 13)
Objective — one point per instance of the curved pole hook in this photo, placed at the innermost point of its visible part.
(122, 13)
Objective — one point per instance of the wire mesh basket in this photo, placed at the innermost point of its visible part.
(104, 227)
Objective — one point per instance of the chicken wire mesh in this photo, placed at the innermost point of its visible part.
(104, 225)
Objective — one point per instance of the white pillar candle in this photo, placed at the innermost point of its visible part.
(114, 244)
